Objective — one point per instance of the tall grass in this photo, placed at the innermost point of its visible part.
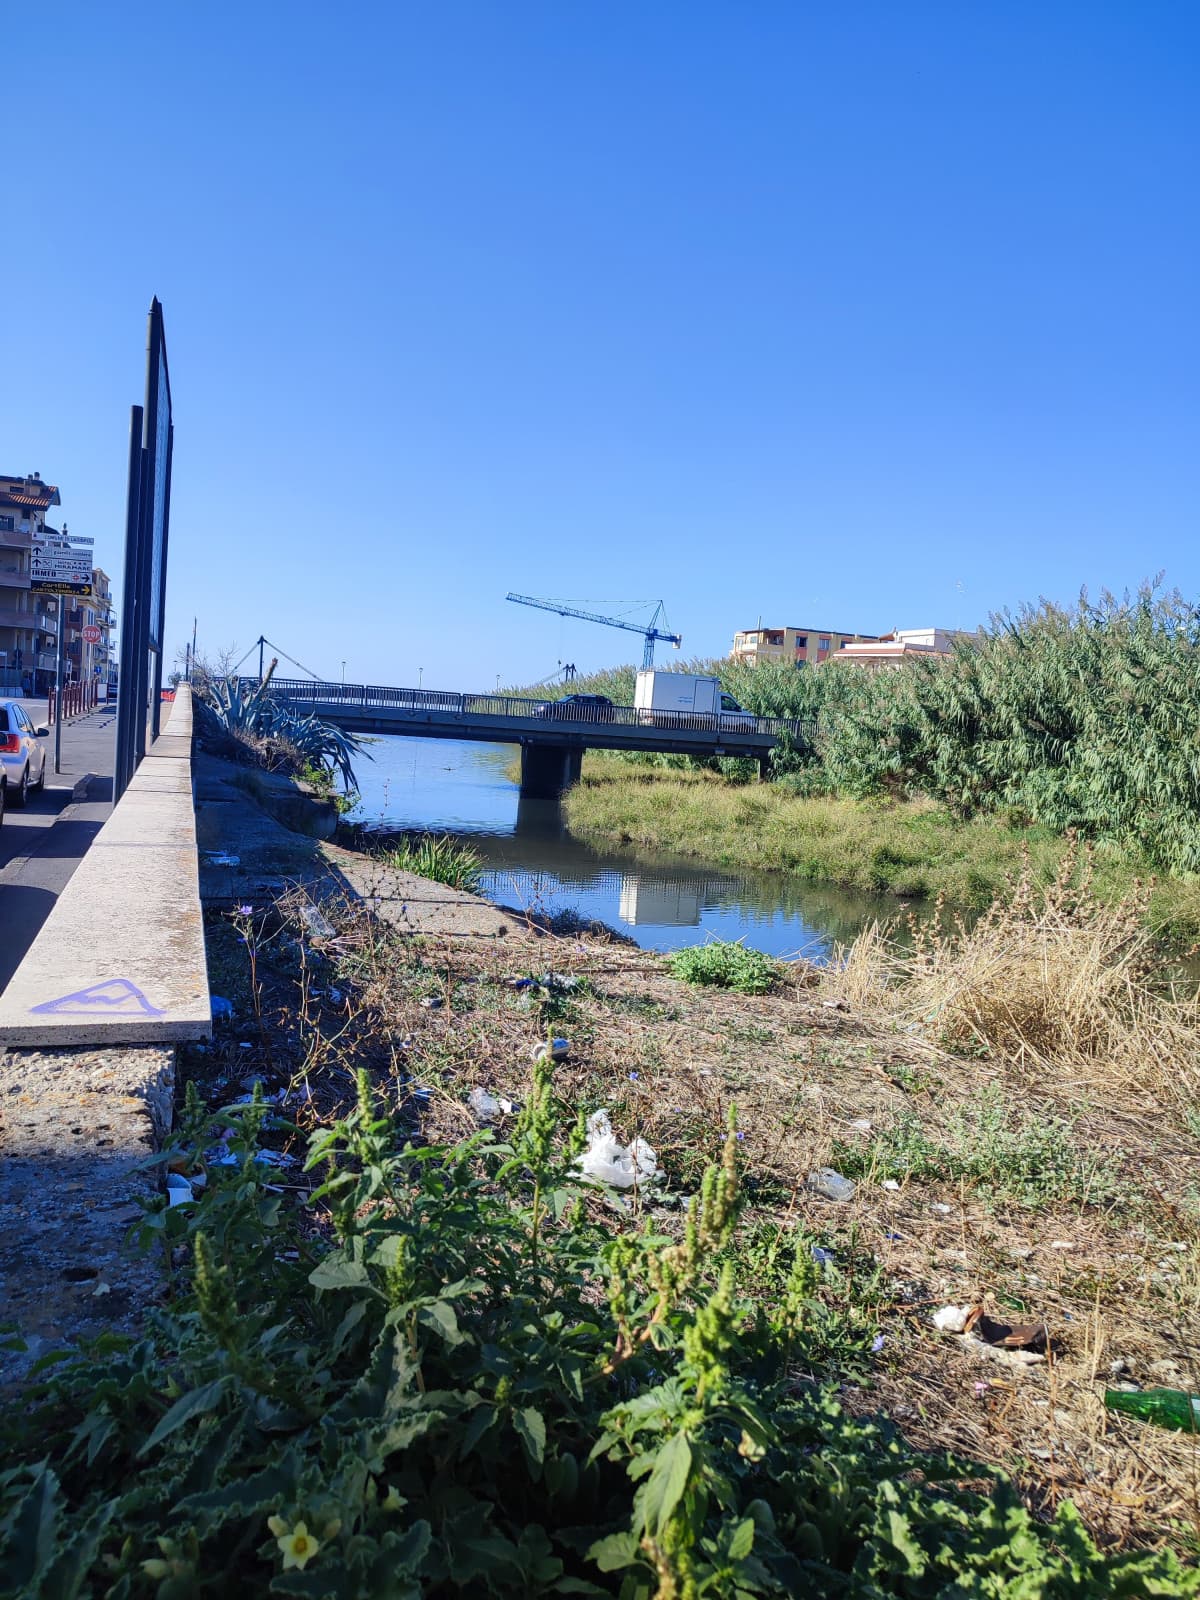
(440, 858)
(1053, 979)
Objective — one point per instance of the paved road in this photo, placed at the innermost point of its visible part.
(41, 846)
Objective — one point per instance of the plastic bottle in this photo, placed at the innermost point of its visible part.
(830, 1184)
(1169, 1408)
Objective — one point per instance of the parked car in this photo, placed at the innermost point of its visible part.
(22, 753)
(581, 707)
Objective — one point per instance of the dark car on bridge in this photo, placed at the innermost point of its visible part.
(579, 708)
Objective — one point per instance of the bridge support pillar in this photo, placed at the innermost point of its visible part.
(546, 770)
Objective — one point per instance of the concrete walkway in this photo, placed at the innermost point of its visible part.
(41, 846)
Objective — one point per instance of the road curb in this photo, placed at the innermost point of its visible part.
(79, 788)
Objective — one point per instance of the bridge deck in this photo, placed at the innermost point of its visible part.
(510, 719)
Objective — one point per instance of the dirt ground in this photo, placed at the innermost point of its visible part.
(974, 1186)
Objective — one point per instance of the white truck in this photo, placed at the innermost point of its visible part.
(689, 693)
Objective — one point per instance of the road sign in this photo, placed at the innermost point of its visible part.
(91, 633)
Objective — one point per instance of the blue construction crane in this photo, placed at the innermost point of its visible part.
(649, 633)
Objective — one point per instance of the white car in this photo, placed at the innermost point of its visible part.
(22, 754)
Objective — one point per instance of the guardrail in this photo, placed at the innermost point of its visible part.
(543, 713)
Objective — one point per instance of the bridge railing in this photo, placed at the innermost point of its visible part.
(544, 713)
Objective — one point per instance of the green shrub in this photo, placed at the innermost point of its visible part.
(441, 858)
(726, 964)
(447, 1376)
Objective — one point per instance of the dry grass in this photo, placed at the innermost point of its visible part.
(1057, 982)
(817, 1067)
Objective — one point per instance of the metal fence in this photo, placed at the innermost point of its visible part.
(543, 713)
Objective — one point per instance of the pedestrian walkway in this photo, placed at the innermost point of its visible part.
(41, 845)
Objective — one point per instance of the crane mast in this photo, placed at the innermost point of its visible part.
(650, 634)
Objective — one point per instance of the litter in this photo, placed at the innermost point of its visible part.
(890, 1183)
(220, 1007)
(822, 1257)
(433, 1002)
(830, 1185)
(179, 1190)
(317, 923)
(951, 1319)
(220, 858)
(1062, 1244)
(942, 1209)
(1017, 1344)
(861, 1124)
(556, 1050)
(487, 1107)
(607, 1161)
(1167, 1408)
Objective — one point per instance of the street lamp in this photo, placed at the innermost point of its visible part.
(420, 676)
(343, 674)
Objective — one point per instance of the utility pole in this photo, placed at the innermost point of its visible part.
(261, 642)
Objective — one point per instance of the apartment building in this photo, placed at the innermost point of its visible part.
(800, 646)
(903, 644)
(28, 622)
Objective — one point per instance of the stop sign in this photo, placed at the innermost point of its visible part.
(91, 633)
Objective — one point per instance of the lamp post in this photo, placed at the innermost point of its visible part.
(343, 674)
(420, 677)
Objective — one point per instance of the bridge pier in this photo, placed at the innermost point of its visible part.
(546, 770)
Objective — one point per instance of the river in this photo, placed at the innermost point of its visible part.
(533, 863)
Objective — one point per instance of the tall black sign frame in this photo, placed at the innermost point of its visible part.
(147, 527)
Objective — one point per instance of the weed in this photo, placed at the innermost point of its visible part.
(440, 858)
(726, 964)
(1029, 1158)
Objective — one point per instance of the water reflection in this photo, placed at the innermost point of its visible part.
(532, 862)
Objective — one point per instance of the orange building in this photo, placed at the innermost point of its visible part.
(800, 646)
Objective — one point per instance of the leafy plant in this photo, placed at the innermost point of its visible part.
(247, 708)
(439, 857)
(448, 1375)
(726, 964)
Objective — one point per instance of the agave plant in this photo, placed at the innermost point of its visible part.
(247, 707)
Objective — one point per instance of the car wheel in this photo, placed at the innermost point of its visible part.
(3, 797)
(21, 794)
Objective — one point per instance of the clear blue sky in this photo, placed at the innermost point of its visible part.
(852, 315)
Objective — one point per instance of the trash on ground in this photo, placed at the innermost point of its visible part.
(830, 1185)
(942, 1209)
(1166, 1408)
(862, 1124)
(220, 1007)
(952, 1319)
(556, 1049)
(607, 1161)
(1062, 1244)
(822, 1257)
(317, 923)
(835, 1005)
(1017, 1344)
(487, 1106)
(433, 1002)
(179, 1190)
(890, 1183)
(221, 858)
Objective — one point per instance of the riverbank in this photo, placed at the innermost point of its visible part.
(910, 849)
(375, 1225)
(978, 1181)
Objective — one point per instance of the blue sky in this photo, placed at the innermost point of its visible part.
(856, 315)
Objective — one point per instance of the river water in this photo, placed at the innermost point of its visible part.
(533, 863)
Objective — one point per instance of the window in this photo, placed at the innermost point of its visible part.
(8, 524)
(801, 641)
(822, 644)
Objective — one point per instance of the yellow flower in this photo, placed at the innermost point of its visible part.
(299, 1546)
(277, 1526)
(155, 1568)
(394, 1500)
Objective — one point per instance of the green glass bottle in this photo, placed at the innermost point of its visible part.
(1169, 1408)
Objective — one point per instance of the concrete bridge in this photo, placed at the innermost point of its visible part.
(552, 734)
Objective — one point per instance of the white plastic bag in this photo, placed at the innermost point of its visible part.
(607, 1161)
